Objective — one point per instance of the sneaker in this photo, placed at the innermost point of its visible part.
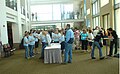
(28, 58)
(33, 56)
(102, 58)
(93, 58)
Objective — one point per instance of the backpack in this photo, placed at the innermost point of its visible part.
(21, 44)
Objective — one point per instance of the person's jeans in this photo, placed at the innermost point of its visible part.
(43, 47)
(68, 51)
(26, 51)
(31, 50)
(95, 43)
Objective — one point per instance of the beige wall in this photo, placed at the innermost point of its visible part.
(108, 9)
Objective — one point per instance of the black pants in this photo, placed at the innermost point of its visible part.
(56, 42)
(62, 46)
(84, 44)
(111, 47)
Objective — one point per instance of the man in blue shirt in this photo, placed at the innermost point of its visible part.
(68, 44)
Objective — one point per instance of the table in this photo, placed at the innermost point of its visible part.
(52, 54)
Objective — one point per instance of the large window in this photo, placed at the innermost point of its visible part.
(117, 17)
(96, 21)
(52, 12)
(96, 10)
(117, 1)
(106, 21)
(96, 7)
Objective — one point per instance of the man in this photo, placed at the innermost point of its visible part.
(97, 42)
(68, 44)
(114, 38)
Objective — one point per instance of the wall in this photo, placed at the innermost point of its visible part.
(3, 23)
(107, 9)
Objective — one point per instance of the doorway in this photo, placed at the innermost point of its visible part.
(10, 35)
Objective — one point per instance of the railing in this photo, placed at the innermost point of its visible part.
(63, 16)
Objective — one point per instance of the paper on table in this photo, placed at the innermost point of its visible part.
(54, 46)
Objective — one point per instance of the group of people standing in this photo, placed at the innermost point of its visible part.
(66, 37)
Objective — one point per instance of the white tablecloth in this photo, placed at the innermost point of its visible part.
(52, 54)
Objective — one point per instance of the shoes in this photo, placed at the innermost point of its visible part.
(102, 58)
(41, 58)
(109, 55)
(93, 58)
(27, 58)
(33, 56)
(69, 62)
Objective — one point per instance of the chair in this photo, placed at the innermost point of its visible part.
(6, 50)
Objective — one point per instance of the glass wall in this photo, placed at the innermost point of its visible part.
(52, 12)
(12, 4)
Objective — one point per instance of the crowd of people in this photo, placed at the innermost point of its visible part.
(96, 37)
(67, 38)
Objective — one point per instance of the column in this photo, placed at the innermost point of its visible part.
(27, 9)
(3, 22)
(19, 25)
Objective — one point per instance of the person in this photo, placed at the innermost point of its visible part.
(97, 42)
(25, 44)
(90, 38)
(62, 41)
(46, 40)
(56, 36)
(76, 38)
(31, 44)
(114, 38)
(95, 31)
(35, 34)
(68, 44)
(84, 41)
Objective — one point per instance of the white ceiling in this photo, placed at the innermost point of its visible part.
(37, 2)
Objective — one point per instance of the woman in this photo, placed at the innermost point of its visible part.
(25, 44)
(90, 38)
(62, 41)
(46, 40)
(31, 44)
(84, 37)
(56, 36)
